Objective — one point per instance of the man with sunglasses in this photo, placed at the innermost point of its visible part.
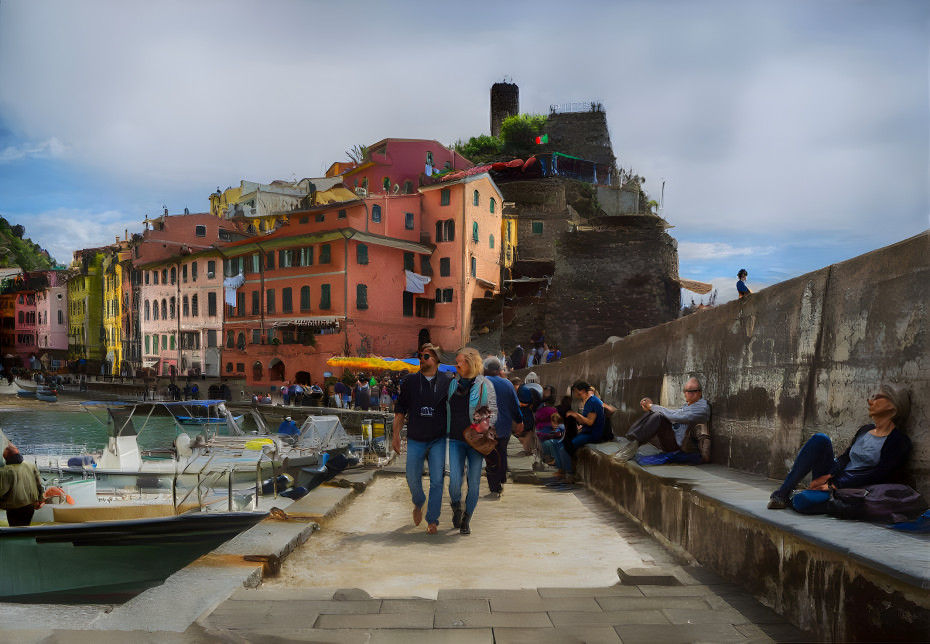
(670, 426)
(421, 401)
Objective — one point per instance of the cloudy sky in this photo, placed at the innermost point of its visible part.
(790, 134)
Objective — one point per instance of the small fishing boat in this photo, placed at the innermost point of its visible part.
(108, 561)
(46, 393)
(187, 463)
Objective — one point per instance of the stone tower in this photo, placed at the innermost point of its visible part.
(505, 101)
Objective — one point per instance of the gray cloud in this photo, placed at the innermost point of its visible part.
(768, 121)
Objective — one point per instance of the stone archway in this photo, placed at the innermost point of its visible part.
(276, 369)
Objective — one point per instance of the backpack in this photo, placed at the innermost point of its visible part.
(884, 502)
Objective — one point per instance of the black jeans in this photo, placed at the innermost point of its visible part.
(19, 517)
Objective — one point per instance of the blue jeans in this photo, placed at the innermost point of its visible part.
(563, 457)
(815, 458)
(434, 452)
(461, 452)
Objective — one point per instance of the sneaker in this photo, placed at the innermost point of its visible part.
(626, 452)
(777, 502)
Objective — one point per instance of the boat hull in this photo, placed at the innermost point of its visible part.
(107, 562)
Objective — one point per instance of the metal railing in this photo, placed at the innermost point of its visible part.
(569, 108)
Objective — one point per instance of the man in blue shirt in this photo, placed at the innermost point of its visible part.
(509, 420)
(670, 426)
(288, 427)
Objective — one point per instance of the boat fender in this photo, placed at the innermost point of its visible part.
(295, 493)
(284, 481)
(55, 495)
(183, 445)
(84, 460)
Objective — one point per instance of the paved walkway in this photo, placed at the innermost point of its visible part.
(548, 572)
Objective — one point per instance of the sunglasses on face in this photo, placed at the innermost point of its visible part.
(692, 391)
(426, 356)
(875, 397)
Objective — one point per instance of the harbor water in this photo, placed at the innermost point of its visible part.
(32, 423)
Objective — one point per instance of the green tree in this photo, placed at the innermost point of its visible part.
(358, 154)
(518, 133)
(480, 149)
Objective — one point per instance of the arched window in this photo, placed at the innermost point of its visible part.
(146, 310)
(376, 214)
(230, 340)
(194, 312)
(474, 231)
(155, 310)
(171, 308)
(174, 275)
(474, 199)
(164, 309)
(492, 202)
(449, 230)
(240, 341)
(164, 276)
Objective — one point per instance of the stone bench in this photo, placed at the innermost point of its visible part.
(843, 580)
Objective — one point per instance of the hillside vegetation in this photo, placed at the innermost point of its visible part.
(18, 250)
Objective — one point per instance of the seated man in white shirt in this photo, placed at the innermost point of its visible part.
(669, 426)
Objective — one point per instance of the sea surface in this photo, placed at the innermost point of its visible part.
(29, 423)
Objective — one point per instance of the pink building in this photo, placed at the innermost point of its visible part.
(181, 293)
(52, 320)
(361, 278)
(399, 166)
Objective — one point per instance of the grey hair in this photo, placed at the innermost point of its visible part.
(901, 400)
(491, 363)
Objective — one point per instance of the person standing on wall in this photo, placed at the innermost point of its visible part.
(741, 287)
(422, 403)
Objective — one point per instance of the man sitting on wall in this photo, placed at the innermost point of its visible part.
(673, 428)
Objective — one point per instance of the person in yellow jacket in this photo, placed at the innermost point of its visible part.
(21, 488)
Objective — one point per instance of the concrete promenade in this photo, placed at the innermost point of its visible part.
(548, 573)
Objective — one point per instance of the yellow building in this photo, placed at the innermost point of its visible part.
(112, 276)
(85, 308)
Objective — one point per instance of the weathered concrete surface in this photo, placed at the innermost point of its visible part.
(799, 357)
(374, 545)
(842, 580)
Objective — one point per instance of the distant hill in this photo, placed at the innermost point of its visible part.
(18, 250)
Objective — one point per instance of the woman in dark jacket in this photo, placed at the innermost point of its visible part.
(876, 451)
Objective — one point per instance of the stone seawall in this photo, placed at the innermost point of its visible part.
(797, 358)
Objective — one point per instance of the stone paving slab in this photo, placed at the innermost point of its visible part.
(609, 591)
(540, 605)
(492, 620)
(379, 621)
(693, 616)
(401, 636)
(607, 618)
(436, 606)
(651, 603)
(556, 635)
(675, 633)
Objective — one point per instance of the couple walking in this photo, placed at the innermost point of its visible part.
(438, 408)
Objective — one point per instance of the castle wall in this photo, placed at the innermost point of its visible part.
(583, 135)
(610, 281)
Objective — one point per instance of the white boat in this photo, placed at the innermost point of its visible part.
(189, 462)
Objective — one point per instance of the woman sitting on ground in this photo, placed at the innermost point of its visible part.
(876, 451)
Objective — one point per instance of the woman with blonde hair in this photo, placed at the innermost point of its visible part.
(468, 392)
